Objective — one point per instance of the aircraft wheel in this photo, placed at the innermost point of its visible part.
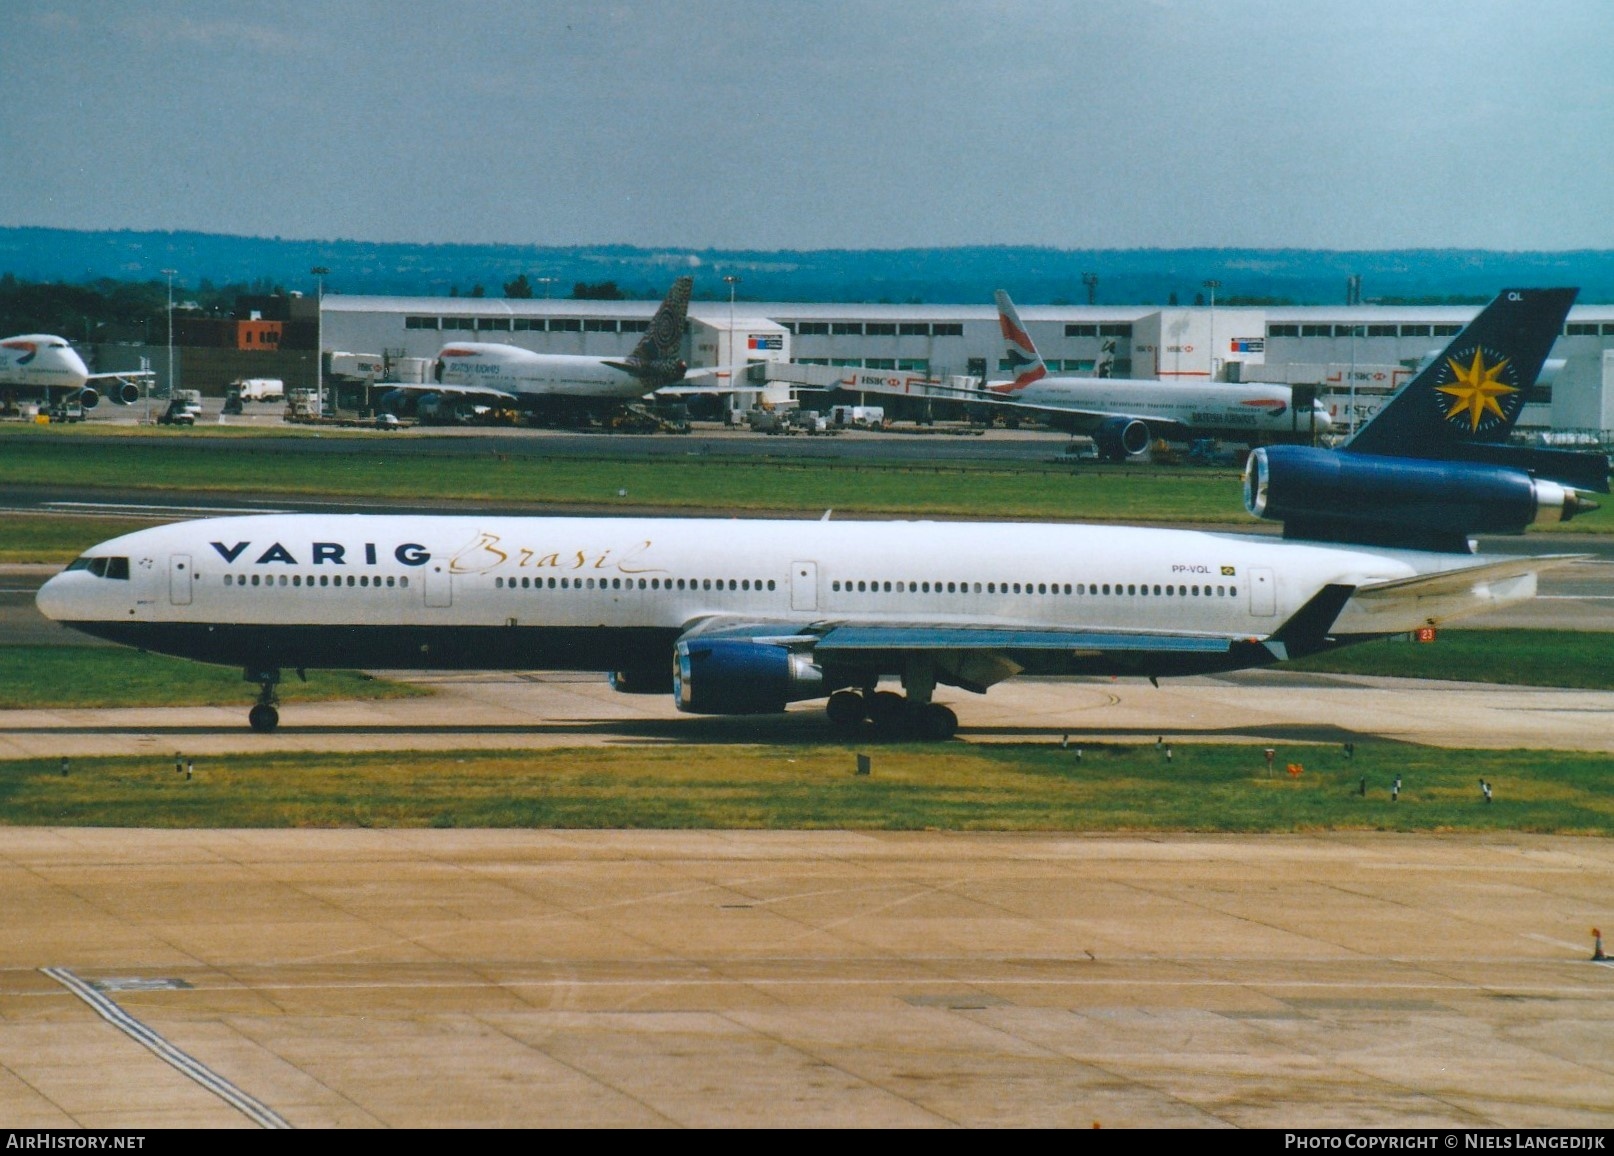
(846, 708)
(888, 712)
(936, 722)
(263, 718)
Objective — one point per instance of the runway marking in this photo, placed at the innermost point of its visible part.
(255, 1110)
(130, 507)
(574, 983)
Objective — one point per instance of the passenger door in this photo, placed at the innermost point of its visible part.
(439, 584)
(1263, 593)
(804, 586)
(179, 579)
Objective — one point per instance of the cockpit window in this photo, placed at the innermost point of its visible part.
(103, 567)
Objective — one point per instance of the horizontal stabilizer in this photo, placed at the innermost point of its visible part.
(1581, 469)
(1464, 579)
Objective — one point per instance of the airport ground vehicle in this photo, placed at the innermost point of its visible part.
(259, 388)
(857, 416)
(183, 408)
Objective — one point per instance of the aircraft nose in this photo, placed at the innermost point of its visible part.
(54, 598)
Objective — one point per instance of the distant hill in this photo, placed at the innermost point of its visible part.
(966, 274)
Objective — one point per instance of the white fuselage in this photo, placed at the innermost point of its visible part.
(40, 361)
(1255, 409)
(606, 577)
(525, 374)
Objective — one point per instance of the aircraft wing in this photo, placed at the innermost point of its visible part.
(967, 656)
(863, 637)
(737, 381)
(977, 396)
(446, 390)
(1153, 420)
(122, 375)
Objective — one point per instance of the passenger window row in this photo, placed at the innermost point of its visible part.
(361, 580)
(634, 583)
(1078, 589)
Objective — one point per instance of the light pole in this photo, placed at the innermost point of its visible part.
(546, 282)
(170, 274)
(1353, 377)
(732, 280)
(1353, 292)
(1213, 286)
(319, 272)
(1091, 281)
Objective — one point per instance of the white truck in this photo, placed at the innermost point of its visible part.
(857, 417)
(260, 388)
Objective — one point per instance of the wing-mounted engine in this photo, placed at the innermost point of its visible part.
(742, 676)
(122, 392)
(1322, 495)
(1119, 438)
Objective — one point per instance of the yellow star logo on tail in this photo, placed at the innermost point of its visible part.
(1476, 390)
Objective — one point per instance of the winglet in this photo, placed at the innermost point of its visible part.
(1018, 349)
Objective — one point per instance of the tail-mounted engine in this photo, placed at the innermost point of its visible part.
(1430, 505)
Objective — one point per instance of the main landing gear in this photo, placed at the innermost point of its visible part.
(264, 717)
(893, 716)
(896, 716)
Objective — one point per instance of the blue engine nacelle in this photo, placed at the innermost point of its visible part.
(738, 676)
(123, 393)
(394, 401)
(1119, 438)
(89, 397)
(1347, 497)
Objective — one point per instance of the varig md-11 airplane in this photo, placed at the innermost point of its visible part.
(47, 366)
(1124, 416)
(738, 616)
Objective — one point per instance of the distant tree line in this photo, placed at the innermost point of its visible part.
(109, 310)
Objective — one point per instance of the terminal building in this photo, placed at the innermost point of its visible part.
(1355, 356)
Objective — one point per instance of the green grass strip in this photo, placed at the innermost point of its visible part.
(114, 676)
(1115, 788)
(1057, 490)
(1564, 658)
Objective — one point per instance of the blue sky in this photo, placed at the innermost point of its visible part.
(810, 124)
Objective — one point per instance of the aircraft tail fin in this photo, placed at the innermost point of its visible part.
(656, 355)
(1018, 349)
(1475, 390)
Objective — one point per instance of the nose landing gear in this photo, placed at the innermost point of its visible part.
(264, 717)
